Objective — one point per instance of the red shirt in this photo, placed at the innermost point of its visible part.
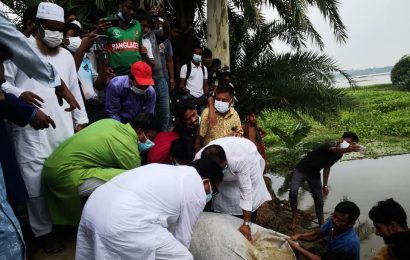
(160, 152)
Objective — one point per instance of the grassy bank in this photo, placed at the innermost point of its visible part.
(382, 121)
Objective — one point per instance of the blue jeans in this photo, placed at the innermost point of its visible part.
(162, 106)
(315, 185)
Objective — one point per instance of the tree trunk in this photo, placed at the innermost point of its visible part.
(218, 30)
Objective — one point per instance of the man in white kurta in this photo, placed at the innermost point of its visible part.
(33, 147)
(128, 217)
(243, 189)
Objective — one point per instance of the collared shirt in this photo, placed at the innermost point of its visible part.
(26, 56)
(122, 104)
(195, 81)
(163, 195)
(223, 127)
(347, 242)
(243, 186)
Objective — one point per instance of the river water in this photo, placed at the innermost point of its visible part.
(365, 80)
(364, 182)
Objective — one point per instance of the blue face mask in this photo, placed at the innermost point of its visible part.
(145, 146)
(208, 197)
(225, 170)
(197, 58)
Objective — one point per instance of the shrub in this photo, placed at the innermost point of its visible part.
(400, 74)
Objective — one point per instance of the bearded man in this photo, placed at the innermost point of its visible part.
(33, 147)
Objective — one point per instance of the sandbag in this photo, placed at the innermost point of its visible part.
(216, 236)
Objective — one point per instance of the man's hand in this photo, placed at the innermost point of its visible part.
(110, 73)
(143, 50)
(246, 231)
(354, 147)
(172, 84)
(295, 237)
(31, 98)
(102, 26)
(2, 97)
(325, 191)
(88, 41)
(41, 121)
(62, 92)
(79, 127)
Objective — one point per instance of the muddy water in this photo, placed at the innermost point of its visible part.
(365, 182)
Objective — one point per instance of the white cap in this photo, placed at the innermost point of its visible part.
(77, 23)
(50, 11)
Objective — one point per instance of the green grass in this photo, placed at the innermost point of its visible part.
(382, 122)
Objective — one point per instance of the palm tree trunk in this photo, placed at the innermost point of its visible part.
(218, 30)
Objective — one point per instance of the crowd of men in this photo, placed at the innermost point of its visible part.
(108, 131)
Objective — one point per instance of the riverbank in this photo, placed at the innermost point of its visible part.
(382, 121)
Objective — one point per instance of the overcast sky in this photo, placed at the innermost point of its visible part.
(379, 33)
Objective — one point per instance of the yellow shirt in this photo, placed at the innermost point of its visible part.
(223, 127)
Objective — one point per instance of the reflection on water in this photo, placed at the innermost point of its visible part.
(364, 182)
(365, 80)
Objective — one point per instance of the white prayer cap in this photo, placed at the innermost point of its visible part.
(50, 11)
(77, 23)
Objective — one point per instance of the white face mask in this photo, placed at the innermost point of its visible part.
(75, 43)
(52, 38)
(221, 107)
(137, 91)
(344, 144)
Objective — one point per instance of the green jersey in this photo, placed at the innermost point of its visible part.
(123, 47)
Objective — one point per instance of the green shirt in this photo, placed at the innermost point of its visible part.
(123, 47)
(102, 150)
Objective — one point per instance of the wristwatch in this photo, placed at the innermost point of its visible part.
(247, 223)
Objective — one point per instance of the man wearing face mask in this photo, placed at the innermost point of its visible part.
(127, 96)
(142, 204)
(194, 80)
(74, 170)
(243, 189)
(228, 121)
(308, 169)
(32, 146)
(124, 42)
(186, 126)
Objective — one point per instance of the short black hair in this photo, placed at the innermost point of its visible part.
(215, 153)
(399, 244)
(388, 211)
(217, 62)
(197, 45)
(350, 208)
(207, 53)
(183, 106)
(73, 27)
(142, 120)
(29, 15)
(183, 150)
(142, 15)
(225, 88)
(208, 169)
(5, 53)
(351, 135)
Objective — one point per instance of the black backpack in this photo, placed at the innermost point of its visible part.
(188, 71)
